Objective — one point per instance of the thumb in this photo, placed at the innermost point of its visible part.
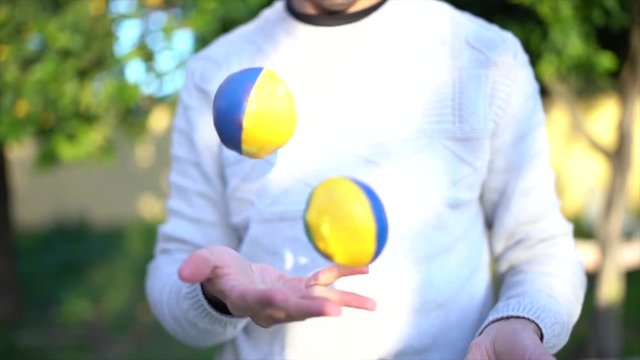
(478, 350)
(538, 352)
(197, 267)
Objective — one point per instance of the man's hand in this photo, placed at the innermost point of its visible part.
(265, 294)
(509, 339)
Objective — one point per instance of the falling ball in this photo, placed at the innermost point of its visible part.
(254, 112)
(346, 221)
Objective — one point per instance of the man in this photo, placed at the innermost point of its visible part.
(440, 113)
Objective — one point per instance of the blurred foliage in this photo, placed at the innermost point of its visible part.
(212, 18)
(60, 81)
(154, 38)
(582, 332)
(76, 72)
(83, 299)
(581, 43)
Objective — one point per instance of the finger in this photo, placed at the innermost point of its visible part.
(197, 267)
(344, 298)
(477, 351)
(301, 309)
(275, 306)
(329, 275)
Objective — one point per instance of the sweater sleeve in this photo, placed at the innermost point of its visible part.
(196, 217)
(532, 243)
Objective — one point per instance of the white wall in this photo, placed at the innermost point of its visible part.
(131, 186)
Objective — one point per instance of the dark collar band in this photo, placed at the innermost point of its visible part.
(332, 19)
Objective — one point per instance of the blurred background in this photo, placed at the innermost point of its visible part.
(88, 89)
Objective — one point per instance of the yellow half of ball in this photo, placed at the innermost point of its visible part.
(270, 116)
(340, 222)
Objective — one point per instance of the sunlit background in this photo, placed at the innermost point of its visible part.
(88, 89)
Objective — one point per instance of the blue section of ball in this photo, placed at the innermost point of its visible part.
(379, 214)
(229, 105)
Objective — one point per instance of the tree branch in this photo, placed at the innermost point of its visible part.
(628, 255)
(562, 93)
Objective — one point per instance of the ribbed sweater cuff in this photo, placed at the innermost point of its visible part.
(208, 318)
(539, 310)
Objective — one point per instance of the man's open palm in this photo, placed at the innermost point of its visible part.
(265, 294)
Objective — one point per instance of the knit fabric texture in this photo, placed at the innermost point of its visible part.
(440, 113)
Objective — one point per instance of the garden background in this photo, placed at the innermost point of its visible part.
(88, 89)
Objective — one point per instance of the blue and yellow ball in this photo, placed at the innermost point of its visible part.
(346, 221)
(254, 112)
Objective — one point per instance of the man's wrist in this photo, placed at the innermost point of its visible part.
(521, 322)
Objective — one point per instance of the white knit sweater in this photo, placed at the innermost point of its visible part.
(439, 112)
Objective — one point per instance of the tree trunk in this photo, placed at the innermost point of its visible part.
(610, 285)
(9, 293)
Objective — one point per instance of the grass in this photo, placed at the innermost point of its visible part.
(579, 341)
(83, 298)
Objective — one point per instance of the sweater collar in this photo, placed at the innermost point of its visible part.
(332, 19)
